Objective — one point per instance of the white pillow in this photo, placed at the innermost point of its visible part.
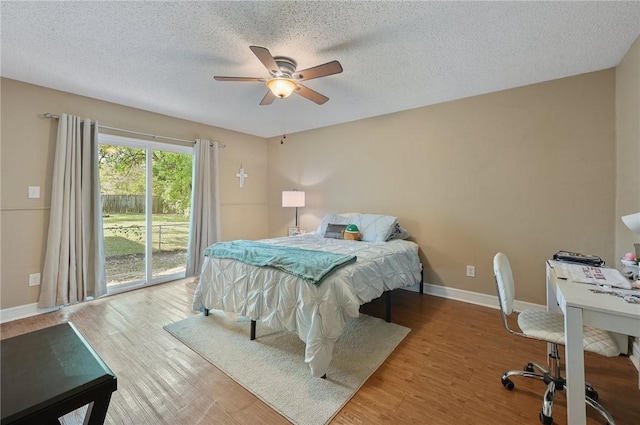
(375, 227)
(399, 232)
(344, 218)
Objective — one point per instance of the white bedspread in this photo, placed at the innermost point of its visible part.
(316, 313)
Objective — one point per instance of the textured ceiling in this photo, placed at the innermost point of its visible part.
(161, 56)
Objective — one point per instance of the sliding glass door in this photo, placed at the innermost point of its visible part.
(146, 199)
(171, 188)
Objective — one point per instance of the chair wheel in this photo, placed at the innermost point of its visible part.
(529, 367)
(546, 420)
(508, 384)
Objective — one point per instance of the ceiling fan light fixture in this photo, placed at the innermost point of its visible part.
(281, 87)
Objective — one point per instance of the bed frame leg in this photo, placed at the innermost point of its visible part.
(206, 311)
(253, 330)
(388, 307)
(422, 280)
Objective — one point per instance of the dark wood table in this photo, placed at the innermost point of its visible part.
(48, 373)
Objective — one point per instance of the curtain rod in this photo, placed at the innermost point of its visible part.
(50, 115)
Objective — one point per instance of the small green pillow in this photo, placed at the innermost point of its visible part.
(351, 228)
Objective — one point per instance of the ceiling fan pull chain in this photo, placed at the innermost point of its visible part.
(284, 134)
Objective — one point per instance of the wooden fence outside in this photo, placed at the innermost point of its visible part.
(134, 204)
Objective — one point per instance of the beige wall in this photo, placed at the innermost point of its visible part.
(527, 171)
(628, 147)
(27, 146)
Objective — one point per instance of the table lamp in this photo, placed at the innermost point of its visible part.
(293, 198)
(632, 221)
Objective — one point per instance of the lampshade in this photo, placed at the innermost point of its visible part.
(292, 198)
(281, 87)
(632, 221)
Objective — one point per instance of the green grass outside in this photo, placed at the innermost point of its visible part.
(124, 234)
(128, 219)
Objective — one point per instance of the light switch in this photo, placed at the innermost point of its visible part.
(34, 279)
(34, 192)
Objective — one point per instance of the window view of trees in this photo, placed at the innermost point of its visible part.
(123, 174)
(123, 171)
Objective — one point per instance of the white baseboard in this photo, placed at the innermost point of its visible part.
(22, 311)
(476, 298)
(27, 310)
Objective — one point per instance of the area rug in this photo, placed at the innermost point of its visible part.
(272, 367)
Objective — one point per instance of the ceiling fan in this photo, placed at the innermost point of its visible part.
(284, 79)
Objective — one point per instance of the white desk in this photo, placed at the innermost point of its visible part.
(583, 307)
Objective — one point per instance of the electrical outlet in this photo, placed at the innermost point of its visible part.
(34, 279)
(471, 271)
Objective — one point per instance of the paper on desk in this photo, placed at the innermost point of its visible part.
(559, 267)
(597, 276)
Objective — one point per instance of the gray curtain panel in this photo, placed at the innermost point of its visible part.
(74, 265)
(205, 204)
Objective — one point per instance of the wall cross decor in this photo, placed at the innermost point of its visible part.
(241, 175)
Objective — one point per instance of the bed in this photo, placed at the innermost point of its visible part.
(317, 313)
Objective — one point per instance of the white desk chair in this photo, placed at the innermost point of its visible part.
(547, 327)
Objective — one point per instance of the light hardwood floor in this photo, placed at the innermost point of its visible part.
(446, 371)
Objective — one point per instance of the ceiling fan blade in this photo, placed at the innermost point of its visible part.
(323, 70)
(268, 98)
(265, 57)
(246, 79)
(313, 96)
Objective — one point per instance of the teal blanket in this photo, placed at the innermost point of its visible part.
(312, 266)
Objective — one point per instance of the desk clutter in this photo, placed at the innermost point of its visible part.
(590, 269)
(601, 276)
(577, 258)
(630, 298)
(609, 281)
(594, 275)
(631, 266)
